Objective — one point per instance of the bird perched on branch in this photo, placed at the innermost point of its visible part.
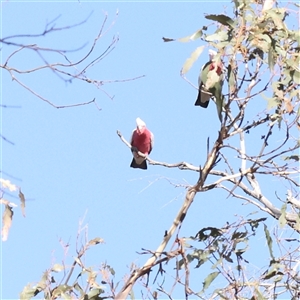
(210, 82)
(141, 140)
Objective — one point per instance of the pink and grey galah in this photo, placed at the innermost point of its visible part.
(210, 82)
(142, 140)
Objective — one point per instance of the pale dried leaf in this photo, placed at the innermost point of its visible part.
(57, 268)
(6, 202)
(288, 105)
(190, 61)
(3, 201)
(268, 5)
(95, 241)
(42, 284)
(28, 292)
(6, 184)
(6, 220)
(92, 278)
(78, 261)
(191, 37)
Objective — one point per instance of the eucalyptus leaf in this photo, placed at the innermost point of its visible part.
(22, 199)
(271, 59)
(57, 268)
(192, 37)
(191, 60)
(295, 157)
(95, 241)
(27, 293)
(223, 19)
(219, 36)
(209, 279)
(269, 241)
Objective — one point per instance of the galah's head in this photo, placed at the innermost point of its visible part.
(212, 54)
(140, 125)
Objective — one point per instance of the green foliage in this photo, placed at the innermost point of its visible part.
(282, 218)
(262, 38)
(251, 42)
(269, 241)
(223, 250)
(291, 157)
(209, 279)
(251, 37)
(54, 287)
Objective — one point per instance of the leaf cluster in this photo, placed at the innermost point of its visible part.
(84, 286)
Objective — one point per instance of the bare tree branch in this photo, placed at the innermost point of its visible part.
(66, 70)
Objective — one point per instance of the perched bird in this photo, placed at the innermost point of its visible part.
(210, 82)
(141, 140)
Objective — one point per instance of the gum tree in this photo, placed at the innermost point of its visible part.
(260, 55)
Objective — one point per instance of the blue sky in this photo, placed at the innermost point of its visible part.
(70, 163)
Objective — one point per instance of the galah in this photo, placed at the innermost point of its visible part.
(142, 140)
(210, 82)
